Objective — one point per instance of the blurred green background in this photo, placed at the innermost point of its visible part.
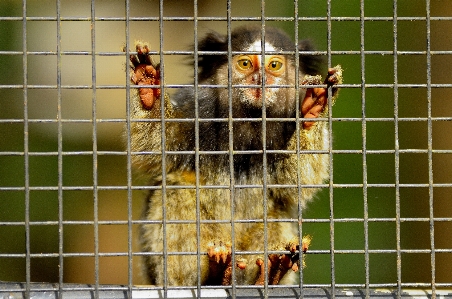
(76, 104)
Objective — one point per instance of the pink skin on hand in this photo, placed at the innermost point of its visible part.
(147, 75)
(313, 104)
(316, 99)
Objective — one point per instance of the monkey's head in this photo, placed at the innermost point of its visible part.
(256, 64)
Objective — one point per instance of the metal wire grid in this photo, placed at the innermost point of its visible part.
(95, 153)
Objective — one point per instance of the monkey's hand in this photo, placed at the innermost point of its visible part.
(145, 72)
(279, 264)
(220, 264)
(316, 99)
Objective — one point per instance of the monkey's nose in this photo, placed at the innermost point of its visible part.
(256, 78)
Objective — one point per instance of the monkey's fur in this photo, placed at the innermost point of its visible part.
(213, 174)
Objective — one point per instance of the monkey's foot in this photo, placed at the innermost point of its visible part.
(279, 264)
(220, 264)
(316, 99)
(145, 72)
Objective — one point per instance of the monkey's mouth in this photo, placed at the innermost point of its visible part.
(256, 93)
(254, 96)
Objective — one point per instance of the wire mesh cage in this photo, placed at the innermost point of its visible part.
(70, 202)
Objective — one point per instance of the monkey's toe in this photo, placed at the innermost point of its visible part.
(219, 253)
(220, 263)
(279, 264)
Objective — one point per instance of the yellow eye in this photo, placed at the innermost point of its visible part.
(244, 64)
(275, 65)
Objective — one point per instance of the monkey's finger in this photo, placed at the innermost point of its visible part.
(333, 78)
(138, 74)
(143, 54)
(330, 78)
(139, 58)
(134, 60)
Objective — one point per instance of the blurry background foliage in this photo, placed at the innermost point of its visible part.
(76, 104)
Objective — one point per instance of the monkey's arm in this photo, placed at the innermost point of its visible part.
(146, 136)
(146, 117)
(314, 167)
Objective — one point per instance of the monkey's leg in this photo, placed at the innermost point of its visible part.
(316, 99)
(146, 72)
(278, 265)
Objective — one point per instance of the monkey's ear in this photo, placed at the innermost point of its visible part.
(208, 63)
(309, 64)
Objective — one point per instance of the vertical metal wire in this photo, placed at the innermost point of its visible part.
(430, 148)
(60, 156)
(94, 138)
(231, 144)
(396, 153)
(297, 132)
(197, 180)
(129, 158)
(364, 149)
(330, 154)
(264, 149)
(26, 151)
(163, 127)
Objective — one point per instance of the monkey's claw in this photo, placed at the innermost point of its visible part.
(220, 263)
(145, 72)
(279, 264)
(221, 252)
(334, 75)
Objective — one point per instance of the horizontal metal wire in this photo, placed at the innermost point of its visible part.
(286, 19)
(379, 290)
(337, 186)
(121, 153)
(244, 253)
(176, 86)
(236, 221)
(191, 53)
(201, 120)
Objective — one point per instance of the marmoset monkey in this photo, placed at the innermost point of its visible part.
(230, 195)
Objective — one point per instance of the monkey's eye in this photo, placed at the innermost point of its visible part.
(275, 65)
(244, 64)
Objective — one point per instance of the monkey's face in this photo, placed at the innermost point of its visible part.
(263, 77)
